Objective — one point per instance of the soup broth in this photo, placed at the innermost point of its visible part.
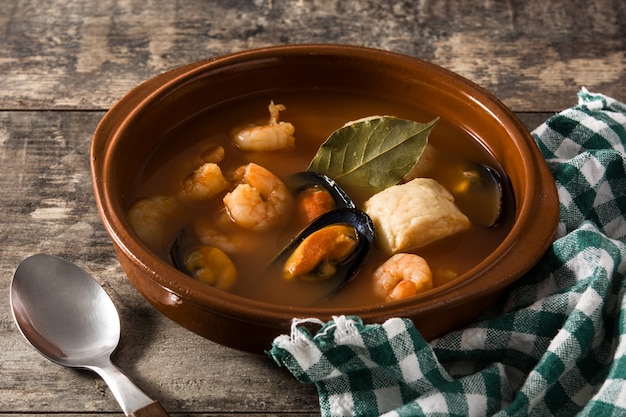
(315, 115)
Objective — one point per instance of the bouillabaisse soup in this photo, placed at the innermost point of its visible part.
(174, 224)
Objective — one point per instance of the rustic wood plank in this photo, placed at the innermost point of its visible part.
(532, 54)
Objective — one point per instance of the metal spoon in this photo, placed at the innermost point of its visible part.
(65, 314)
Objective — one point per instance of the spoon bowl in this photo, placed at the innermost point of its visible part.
(66, 315)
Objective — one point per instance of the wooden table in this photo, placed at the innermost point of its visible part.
(64, 63)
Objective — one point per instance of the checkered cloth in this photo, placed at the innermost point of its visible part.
(555, 345)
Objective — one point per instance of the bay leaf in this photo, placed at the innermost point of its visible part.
(373, 153)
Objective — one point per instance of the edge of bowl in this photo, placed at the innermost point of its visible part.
(538, 199)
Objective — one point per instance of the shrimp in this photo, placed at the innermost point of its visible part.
(402, 276)
(210, 233)
(147, 216)
(203, 184)
(211, 266)
(272, 136)
(213, 154)
(260, 201)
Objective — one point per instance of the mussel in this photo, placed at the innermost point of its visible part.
(478, 191)
(346, 258)
(327, 267)
(315, 195)
(302, 181)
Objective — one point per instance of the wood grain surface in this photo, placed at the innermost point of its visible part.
(64, 63)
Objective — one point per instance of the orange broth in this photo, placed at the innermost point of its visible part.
(315, 115)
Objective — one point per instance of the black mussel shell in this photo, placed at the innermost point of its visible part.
(177, 253)
(302, 180)
(496, 183)
(486, 190)
(317, 291)
(349, 216)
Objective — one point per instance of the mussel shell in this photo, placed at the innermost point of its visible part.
(353, 217)
(497, 184)
(178, 251)
(488, 189)
(302, 180)
(317, 292)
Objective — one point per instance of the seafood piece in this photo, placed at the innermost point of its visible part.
(206, 182)
(313, 202)
(351, 247)
(316, 256)
(214, 154)
(147, 215)
(272, 136)
(211, 233)
(211, 266)
(317, 194)
(260, 201)
(414, 214)
(402, 276)
(479, 188)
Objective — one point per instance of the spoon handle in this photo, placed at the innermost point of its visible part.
(133, 401)
(150, 410)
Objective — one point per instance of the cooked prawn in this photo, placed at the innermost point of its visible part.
(212, 233)
(260, 201)
(272, 136)
(203, 184)
(401, 276)
(147, 215)
(213, 154)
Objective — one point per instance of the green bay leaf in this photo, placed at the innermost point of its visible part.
(373, 153)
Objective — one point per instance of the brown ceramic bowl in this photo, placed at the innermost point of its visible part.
(133, 127)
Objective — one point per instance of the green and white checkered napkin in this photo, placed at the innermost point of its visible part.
(554, 346)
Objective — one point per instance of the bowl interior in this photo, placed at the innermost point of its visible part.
(139, 122)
